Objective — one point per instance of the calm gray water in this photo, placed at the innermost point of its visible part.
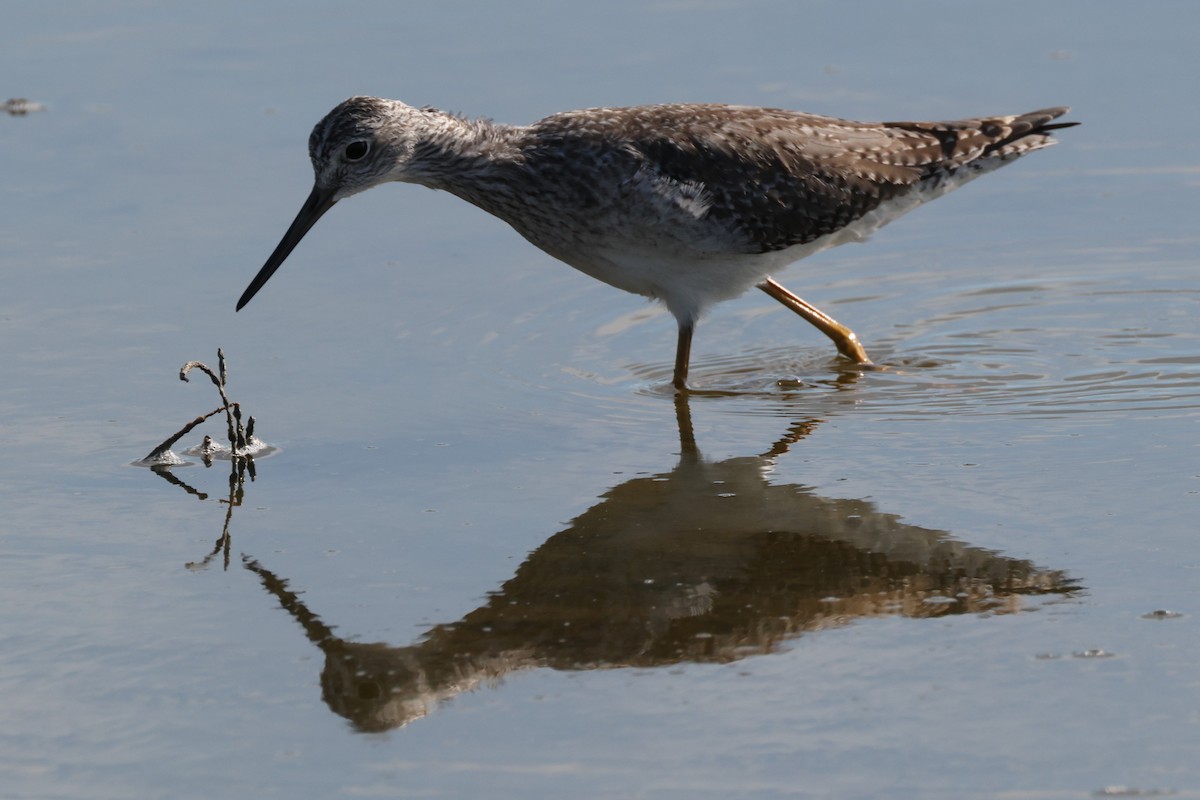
(487, 559)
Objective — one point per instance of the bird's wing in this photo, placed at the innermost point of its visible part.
(781, 178)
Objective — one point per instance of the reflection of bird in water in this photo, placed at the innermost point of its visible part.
(707, 562)
(686, 204)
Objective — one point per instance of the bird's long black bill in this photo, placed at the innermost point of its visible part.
(318, 202)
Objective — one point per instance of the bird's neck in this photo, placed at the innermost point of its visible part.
(465, 157)
(476, 160)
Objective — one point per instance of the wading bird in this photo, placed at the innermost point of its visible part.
(685, 204)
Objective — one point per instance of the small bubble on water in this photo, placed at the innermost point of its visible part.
(1163, 613)
(1095, 652)
(1131, 791)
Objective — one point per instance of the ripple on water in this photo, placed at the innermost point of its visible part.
(1067, 352)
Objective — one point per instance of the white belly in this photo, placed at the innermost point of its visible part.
(690, 267)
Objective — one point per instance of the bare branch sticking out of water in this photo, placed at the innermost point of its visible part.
(158, 454)
(219, 382)
(242, 442)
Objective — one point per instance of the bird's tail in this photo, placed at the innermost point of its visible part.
(1014, 136)
(984, 138)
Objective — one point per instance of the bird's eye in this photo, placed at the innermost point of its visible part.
(356, 150)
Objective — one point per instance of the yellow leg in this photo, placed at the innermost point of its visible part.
(844, 338)
(683, 355)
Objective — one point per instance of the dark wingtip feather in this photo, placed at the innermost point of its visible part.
(1040, 121)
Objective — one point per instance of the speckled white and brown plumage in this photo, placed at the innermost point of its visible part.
(686, 204)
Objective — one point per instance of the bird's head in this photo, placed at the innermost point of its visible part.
(363, 142)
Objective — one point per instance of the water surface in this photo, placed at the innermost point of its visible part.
(492, 555)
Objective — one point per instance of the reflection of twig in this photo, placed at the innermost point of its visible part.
(237, 491)
(221, 545)
(169, 476)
